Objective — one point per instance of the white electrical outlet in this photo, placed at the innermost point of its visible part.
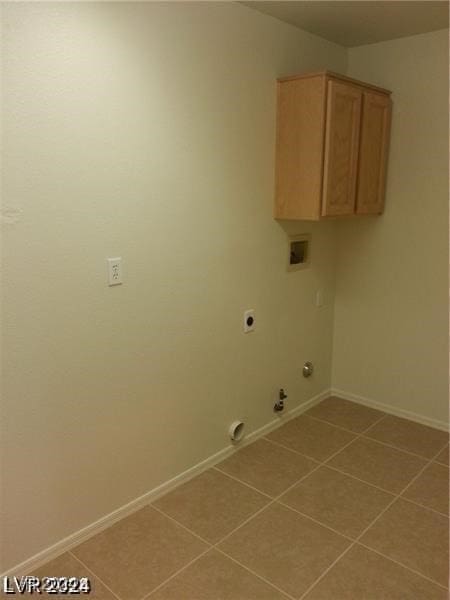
(115, 271)
(249, 320)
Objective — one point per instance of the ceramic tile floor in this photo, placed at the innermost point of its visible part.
(342, 503)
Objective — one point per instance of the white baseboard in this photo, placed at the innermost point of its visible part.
(36, 561)
(392, 410)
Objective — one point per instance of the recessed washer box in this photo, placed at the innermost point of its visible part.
(299, 251)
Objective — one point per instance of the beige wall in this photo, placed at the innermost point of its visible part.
(391, 308)
(147, 131)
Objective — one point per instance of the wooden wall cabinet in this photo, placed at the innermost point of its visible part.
(332, 147)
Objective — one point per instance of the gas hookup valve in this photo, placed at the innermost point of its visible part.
(279, 406)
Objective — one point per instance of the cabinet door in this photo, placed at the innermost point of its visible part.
(341, 149)
(299, 149)
(375, 128)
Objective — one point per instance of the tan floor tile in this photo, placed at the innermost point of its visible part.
(415, 537)
(408, 435)
(311, 437)
(67, 566)
(431, 488)
(443, 457)
(364, 575)
(267, 467)
(337, 500)
(285, 548)
(211, 504)
(344, 413)
(216, 577)
(138, 553)
(386, 467)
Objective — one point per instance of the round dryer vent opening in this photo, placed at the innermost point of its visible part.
(236, 431)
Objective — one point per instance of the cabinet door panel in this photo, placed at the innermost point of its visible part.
(376, 118)
(299, 150)
(341, 149)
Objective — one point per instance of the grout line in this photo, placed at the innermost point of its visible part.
(322, 462)
(357, 435)
(441, 464)
(215, 545)
(94, 574)
(326, 466)
(292, 450)
(211, 545)
(331, 424)
(275, 500)
(398, 496)
(419, 473)
(364, 435)
(313, 585)
(384, 510)
(243, 483)
(397, 448)
(383, 416)
(446, 447)
(374, 423)
(371, 525)
(315, 521)
(390, 410)
(256, 574)
(250, 518)
(345, 428)
(386, 491)
(438, 512)
(288, 489)
(278, 499)
(400, 564)
(228, 534)
(269, 441)
(377, 487)
(175, 574)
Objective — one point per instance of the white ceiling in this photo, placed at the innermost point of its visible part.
(359, 22)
